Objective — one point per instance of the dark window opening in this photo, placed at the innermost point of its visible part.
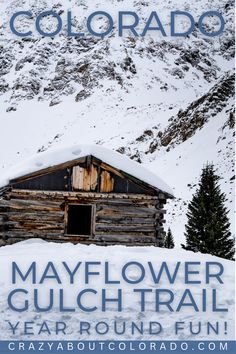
(79, 220)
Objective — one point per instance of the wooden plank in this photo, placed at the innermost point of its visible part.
(77, 177)
(93, 178)
(106, 182)
(86, 180)
(107, 167)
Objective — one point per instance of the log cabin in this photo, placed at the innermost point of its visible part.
(83, 194)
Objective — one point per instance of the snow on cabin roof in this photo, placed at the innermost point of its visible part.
(58, 156)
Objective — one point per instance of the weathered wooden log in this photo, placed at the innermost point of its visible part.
(131, 243)
(33, 226)
(82, 239)
(29, 233)
(131, 214)
(35, 216)
(3, 209)
(3, 218)
(114, 216)
(122, 234)
(124, 220)
(110, 202)
(135, 212)
(124, 228)
(20, 204)
(140, 209)
(59, 194)
(130, 238)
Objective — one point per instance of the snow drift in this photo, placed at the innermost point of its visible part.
(84, 325)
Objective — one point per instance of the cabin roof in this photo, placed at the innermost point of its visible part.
(56, 157)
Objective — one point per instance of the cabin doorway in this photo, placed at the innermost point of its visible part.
(79, 219)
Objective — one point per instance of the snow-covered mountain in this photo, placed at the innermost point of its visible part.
(166, 102)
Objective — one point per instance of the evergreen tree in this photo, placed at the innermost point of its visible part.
(208, 227)
(169, 240)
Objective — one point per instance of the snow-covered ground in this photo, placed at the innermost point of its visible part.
(41, 252)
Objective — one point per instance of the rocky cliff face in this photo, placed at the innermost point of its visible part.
(51, 68)
(187, 122)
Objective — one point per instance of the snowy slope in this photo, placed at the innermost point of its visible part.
(126, 94)
(24, 253)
